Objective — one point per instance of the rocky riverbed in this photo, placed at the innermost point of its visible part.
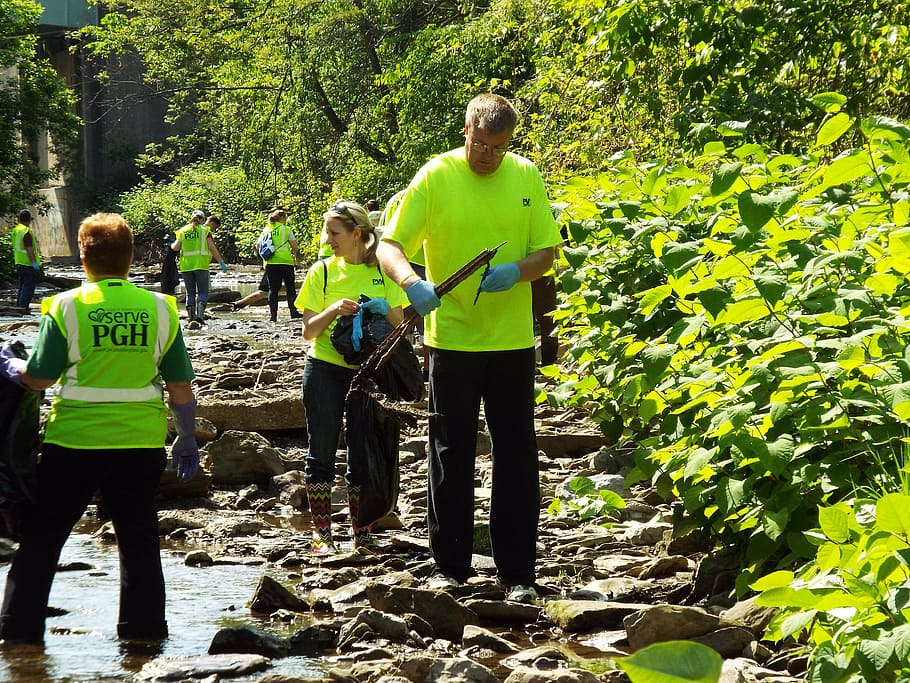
(608, 585)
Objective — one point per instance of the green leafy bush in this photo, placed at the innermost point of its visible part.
(850, 605)
(740, 317)
(588, 502)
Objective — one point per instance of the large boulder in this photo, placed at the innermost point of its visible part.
(242, 458)
(262, 409)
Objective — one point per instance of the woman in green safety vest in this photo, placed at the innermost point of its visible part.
(279, 269)
(114, 348)
(197, 247)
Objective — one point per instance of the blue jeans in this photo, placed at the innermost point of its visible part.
(325, 386)
(28, 278)
(197, 288)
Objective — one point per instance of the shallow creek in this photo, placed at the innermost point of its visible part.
(82, 646)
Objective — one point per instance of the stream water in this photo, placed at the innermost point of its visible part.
(81, 645)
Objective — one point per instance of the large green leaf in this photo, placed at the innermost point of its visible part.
(833, 129)
(724, 176)
(674, 661)
(757, 209)
(892, 513)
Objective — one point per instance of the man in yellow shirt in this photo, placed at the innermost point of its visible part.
(481, 347)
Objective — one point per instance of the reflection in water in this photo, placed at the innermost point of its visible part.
(81, 644)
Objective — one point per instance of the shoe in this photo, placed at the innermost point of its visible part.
(519, 593)
(194, 325)
(441, 582)
(323, 546)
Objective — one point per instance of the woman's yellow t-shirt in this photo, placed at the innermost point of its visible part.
(332, 279)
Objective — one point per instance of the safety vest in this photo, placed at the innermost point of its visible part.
(194, 247)
(281, 239)
(20, 255)
(111, 394)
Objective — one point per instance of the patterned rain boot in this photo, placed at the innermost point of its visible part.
(362, 536)
(319, 496)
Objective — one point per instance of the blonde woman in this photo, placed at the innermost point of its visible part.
(331, 290)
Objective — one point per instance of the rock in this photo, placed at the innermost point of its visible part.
(248, 640)
(660, 623)
(169, 486)
(270, 596)
(499, 611)
(179, 668)
(447, 616)
(750, 615)
(242, 458)
(474, 636)
(267, 408)
(727, 642)
(587, 615)
(197, 558)
(528, 675)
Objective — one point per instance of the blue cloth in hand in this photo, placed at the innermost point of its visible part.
(357, 329)
(223, 267)
(422, 295)
(501, 278)
(35, 265)
(378, 306)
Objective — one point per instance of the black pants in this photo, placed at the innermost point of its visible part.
(67, 480)
(504, 381)
(543, 302)
(281, 274)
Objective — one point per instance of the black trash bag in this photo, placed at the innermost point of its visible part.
(401, 377)
(170, 273)
(20, 418)
(378, 439)
(375, 328)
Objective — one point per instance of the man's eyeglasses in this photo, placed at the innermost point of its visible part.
(481, 147)
(341, 208)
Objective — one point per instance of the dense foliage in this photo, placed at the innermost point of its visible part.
(850, 603)
(34, 102)
(740, 318)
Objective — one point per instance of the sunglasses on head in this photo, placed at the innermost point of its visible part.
(341, 208)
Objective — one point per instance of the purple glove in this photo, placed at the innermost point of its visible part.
(500, 278)
(185, 450)
(378, 306)
(422, 295)
(11, 366)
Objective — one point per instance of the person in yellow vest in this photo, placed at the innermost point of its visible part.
(113, 348)
(279, 269)
(26, 258)
(197, 247)
(481, 336)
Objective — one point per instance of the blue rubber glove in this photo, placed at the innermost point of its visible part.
(11, 366)
(500, 278)
(422, 295)
(185, 450)
(35, 265)
(378, 306)
(357, 329)
(223, 266)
